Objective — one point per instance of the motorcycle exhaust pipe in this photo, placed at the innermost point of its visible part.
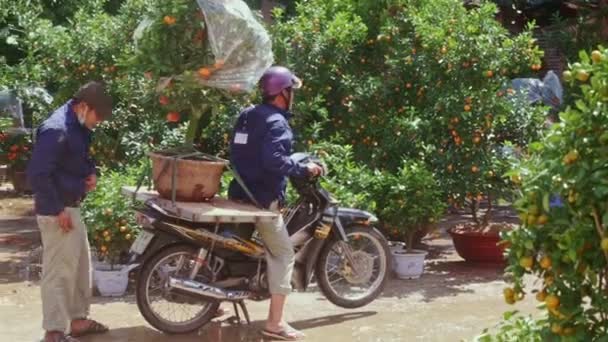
(206, 291)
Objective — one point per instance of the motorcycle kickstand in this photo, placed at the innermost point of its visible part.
(237, 316)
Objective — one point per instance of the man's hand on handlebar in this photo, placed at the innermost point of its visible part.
(314, 170)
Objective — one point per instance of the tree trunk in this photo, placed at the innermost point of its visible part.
(603, 6)
(488, 215)
(267, 7)
(474, 210)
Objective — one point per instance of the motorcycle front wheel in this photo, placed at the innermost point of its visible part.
(167, 311)
(356, 281)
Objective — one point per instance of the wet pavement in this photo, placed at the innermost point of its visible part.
(453, 301)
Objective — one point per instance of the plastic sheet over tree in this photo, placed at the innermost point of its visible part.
(240, 45)
(238, 41)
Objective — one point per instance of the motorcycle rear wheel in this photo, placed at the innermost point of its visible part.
(366, 280)
(153, 270)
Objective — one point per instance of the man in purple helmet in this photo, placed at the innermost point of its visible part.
(260, 151)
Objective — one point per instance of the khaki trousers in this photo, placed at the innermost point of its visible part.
(66, 272)
(280, 256)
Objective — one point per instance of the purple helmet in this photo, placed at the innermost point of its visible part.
(277, 78)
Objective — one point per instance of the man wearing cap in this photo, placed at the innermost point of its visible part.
(60, 173)
(260, 152)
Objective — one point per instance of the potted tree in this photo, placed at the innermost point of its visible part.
(408, 201)
(181, 47)
(112, 229)
(15, 151)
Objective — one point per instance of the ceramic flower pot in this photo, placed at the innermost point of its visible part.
(409, 265)
(476, 246)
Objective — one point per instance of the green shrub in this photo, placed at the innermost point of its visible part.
(409, 200)
(109, 216)
(516, 328)
(563, 240)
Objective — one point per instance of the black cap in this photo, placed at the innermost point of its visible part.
(94, 94)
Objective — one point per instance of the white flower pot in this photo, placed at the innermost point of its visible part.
(409, 265)
(112, 282)
(396, 246)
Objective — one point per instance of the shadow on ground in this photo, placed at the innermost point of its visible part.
(446, 274)
(221, 332)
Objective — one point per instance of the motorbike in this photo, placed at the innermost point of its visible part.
(188, 268)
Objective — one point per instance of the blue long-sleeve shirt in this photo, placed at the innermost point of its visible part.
(60, 162)
(259, 151)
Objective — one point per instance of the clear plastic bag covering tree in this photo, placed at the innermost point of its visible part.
(237, 41)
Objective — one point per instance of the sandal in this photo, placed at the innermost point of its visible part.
(94, 327)
(283, 335)
(60, 337)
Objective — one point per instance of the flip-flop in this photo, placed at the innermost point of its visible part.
(93, 328)
(62, 338)
(284, 335)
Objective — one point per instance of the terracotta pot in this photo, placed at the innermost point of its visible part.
(478, 247)
(195, 180)
(19, 181)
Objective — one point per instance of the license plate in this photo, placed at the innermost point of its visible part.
(142, 242)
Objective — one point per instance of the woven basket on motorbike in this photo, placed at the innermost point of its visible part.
(194, 179)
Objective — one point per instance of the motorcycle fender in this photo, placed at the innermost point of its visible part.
(313, 251)
(160, 241)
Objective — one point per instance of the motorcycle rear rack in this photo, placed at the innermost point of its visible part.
(217, 210)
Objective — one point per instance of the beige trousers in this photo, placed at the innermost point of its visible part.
(66, 272)
(280, 257)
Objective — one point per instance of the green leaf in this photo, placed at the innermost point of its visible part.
(12, 40)
(546, 198)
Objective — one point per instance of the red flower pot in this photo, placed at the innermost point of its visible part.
(474, 246)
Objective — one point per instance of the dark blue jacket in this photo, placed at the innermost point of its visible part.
(262, 158)
(60, 162)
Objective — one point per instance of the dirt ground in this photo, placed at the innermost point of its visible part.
(453, 301)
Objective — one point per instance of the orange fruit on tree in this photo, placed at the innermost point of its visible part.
(546, 262)
(128, 237)
(526, 262)
(204, 73)
(489, 74)
(173, 117)
(541, 296)
(467, 108)
(169, 20)
(552, 302)
(596, 56)
(123, 229)
(582, 75)
(163, 100)
(542, 219)
(103, 248)
(474, 169)
(476, 139)
(556, 329)
(604, 244)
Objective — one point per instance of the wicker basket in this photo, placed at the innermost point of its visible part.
(195, 180)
